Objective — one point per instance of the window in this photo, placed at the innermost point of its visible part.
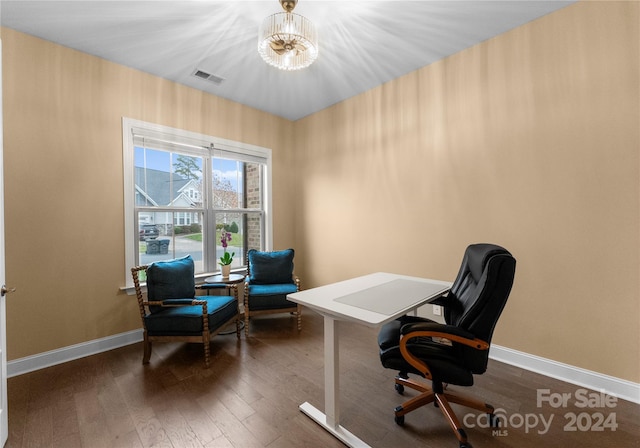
(183, 190)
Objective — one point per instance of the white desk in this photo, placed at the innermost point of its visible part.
(370, 300)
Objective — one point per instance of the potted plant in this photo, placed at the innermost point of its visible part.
(226, 259)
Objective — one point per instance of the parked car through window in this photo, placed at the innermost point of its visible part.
(148, 232)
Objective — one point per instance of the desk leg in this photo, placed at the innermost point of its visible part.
(331, 372)
(330, 419)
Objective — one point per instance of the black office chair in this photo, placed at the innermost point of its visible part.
(451, 353)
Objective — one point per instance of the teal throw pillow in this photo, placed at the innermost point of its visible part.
(171, 279)
(271, 267)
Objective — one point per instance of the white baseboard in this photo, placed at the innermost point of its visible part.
(623, 389)
(610, 385)
(59, 356)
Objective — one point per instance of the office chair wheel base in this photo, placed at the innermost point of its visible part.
(465, 445)
(399, 419)
(399, 388)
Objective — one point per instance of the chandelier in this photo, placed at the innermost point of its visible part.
(286, 40)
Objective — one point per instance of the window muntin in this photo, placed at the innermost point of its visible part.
(172, 241)
(237, 206)
(191, 188)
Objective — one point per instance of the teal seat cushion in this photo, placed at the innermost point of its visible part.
(269, 297)
(171, 279)
(187, 320)
(270, 267)
(272, 290)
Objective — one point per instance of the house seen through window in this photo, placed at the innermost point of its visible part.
(188, 191)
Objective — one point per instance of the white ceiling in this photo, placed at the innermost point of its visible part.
(362, 43)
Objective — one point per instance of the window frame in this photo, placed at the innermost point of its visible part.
(200, 143)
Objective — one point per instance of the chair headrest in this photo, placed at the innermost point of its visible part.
(481, 289)
(478, 255)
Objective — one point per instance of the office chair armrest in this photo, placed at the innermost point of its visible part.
(435, 330)
(448, 300)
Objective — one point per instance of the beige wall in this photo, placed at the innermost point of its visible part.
(529, 140)
(64, 188)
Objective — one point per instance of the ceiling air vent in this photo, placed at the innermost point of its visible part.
(217, 80)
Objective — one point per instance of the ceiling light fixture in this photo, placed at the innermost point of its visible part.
(288, 41)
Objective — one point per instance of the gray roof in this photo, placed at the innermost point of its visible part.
(154, 187)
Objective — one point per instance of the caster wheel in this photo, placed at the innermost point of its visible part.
(399, 388)
(465, 445)
(399, 420)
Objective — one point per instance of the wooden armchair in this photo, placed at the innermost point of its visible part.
(269, 279)
(172, 312)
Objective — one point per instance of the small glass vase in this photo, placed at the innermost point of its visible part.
(226, 270)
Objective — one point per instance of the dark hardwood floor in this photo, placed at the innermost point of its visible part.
(249, 397)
